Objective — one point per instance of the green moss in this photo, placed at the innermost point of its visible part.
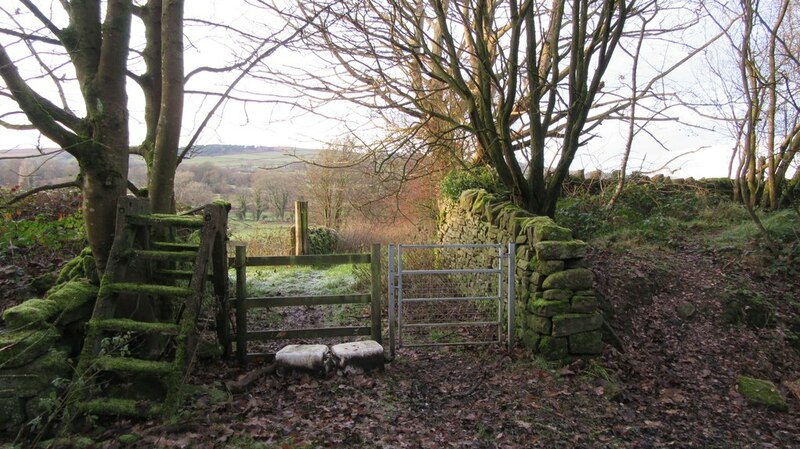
(572, 279)
(68, 269)
(552, 348)
(128, 438)
(132, 365)
(33, 312)
(126, 325)
(73, 295)
(38, 376)
(546, 308)
(149, 289)
(762, 392)
(11, 413)
(169, 219)
(575, 323)
(586, 343)
(21, 347)
(554, 250)
(540, 324)
(557, 294)
(124, 407)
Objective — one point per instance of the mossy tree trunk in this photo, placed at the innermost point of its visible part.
(163, 81)
(95, 42)
(98, 50)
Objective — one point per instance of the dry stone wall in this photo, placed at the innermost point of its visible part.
(37, 340)
(557, 312)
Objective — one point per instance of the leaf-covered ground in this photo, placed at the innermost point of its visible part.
(673, 387)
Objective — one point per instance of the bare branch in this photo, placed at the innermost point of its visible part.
(31, 192)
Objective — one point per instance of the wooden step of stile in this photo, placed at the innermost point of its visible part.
(149, 289)
(165, 256)
(128, 325)
(134, 365)
(184, 275)
(120, 407)
(178, 246)
(178, 221)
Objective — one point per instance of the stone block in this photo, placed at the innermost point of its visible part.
(548, 267)
(31, 379)
(583, 304)
(761, 392)
(553, 348)
(358, 357)
(575, 323)
(530, 340)
(546, 308)
(315, 359)
(551, 232)
(556, 294)
(539, 324)
(586, 343)
(75, 299)
(574, 279)
(481, 200)
(21, 347)
(577, 263)
(536, 280)
(553, 250)
(466, 199)
(31, 313)
(12, 413)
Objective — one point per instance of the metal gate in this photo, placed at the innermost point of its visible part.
(450, 295)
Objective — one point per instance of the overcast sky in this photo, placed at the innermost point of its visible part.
(283, 125)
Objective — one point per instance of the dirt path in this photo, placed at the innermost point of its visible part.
(674, 387)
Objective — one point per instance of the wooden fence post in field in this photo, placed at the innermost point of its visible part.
(241, 295)
(301, 228)
(375, 303)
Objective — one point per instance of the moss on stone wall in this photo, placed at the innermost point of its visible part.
(556, 306)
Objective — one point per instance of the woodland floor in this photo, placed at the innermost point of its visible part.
(674, 386)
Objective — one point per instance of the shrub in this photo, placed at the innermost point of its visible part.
(44, 223)
(322, 240)
(480, 177)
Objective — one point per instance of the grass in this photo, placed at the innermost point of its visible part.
(649, 215)
(782, 225)
(262, 239)
(279, 156)
(294, 281)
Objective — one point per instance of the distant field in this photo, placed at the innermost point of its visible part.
(272, 158)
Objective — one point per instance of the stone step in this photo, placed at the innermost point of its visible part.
(349, 358)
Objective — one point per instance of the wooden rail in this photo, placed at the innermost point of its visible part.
(243, 303)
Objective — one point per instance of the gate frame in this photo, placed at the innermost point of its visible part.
(242, 302)
(395, 280)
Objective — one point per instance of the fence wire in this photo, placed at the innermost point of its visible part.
(447, 294)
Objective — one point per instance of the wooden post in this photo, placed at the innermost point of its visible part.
(376, 292)
(301, 228)
(241, 294)
(220, 278)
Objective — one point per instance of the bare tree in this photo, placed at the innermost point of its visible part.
(52, 52)
(520, 83)
(759, 70)
(330, 179)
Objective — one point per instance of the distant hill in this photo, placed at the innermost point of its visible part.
(249, 156)
(223, 150)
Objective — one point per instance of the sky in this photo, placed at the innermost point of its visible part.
(284, 125)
